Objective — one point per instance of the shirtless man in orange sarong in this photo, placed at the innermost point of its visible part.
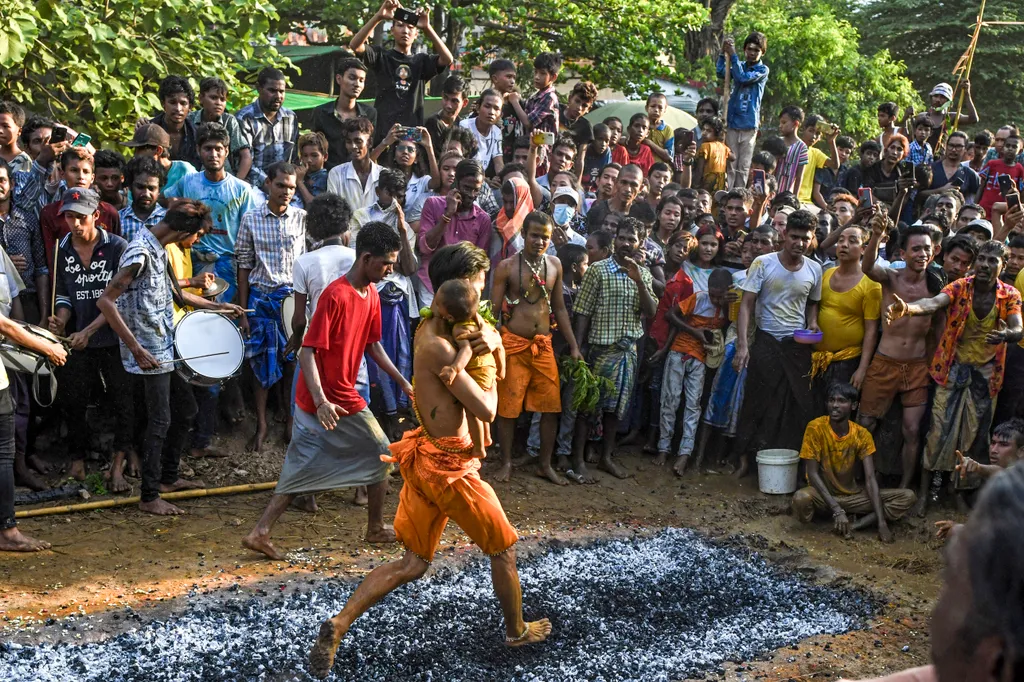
(441, 480)
(528, 291)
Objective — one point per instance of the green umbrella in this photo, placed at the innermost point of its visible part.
(675, 118)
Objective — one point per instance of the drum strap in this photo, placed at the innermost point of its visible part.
(36, 382)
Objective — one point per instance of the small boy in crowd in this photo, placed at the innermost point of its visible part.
(213, 96)
(712, 158)
(311, 175)
(693, 325)
(662, 136)
(540, 112)
(791, 170)
(109, 179)
(920, 150)
(1005, 164)
(598, 155)
(453, 101)
(614, 124)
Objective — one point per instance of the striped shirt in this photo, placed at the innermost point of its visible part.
(271, 141)
(268, 245)
(131, 224)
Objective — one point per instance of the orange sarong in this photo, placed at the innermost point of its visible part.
(531, 376)
(440, 485)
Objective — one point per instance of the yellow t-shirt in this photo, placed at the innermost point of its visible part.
(841, 316)
(972, 348)
(816, 160)
(181, 265)
(837, 456)
(1019, 284)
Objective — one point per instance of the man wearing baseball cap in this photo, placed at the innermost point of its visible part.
(938, 109)
(153, 140)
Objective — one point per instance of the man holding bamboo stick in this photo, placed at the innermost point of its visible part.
(744, 102)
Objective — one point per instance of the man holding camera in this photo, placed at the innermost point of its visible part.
(400, 74)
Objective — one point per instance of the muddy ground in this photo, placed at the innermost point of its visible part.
(106, 560)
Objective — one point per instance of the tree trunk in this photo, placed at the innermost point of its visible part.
(707, 41)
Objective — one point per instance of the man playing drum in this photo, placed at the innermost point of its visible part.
(270, 238)
(336, 442)
(87, 258)
(137, 306)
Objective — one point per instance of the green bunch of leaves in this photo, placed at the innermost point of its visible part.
(587, 389)
(96, 64)
(94, 483)
(486, 311)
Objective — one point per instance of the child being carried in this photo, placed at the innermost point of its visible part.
(458, 304)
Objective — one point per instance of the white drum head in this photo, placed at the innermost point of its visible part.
(287, 310)
(202, 332)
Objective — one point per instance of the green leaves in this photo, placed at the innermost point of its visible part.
(96, 64)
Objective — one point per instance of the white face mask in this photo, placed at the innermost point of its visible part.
(562, 214)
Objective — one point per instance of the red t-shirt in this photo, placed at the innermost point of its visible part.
(644, 159)
(344, 324)
(990, 173)
(54, 227)
(677, 289)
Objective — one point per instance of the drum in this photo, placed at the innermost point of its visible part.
(18, 359)
(207, 333)
(287, 311)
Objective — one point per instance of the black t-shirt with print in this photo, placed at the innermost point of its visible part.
(581, 130)
(400, 86)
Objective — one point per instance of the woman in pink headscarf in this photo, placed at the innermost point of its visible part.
(516, 205)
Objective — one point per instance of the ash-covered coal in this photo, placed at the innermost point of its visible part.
(666, 607)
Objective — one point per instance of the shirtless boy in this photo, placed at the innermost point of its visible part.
(441, 481)
(524, 289)
(900, 364)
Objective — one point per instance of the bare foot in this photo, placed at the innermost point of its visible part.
(306, 503)
(591, 456)
(255, 443)
(321, 657)
(537, 631)
(24, 476)
(552, 475)
(261, 543)
(361, 499)
(607, 464)
(680, 466)
(662, 459)
(78, 469)
(919, 507)
(382, 535)
(208, 451)
(581, 476)
(133, 467)
(160, 508)
(181, 484)
(503, 473)
(12, 540)
(39, 464)
(114, 476)
(631, 437)
(743, 469)
(562, 463)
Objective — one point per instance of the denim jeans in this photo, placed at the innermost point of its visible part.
(6, 460)
(171, 408)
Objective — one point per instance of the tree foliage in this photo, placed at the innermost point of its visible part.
(96, 65)
(931, 35)
(617, 43)
(816, 63)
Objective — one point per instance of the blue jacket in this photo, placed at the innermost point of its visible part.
(747, 91)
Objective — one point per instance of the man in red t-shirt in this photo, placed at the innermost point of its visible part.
(76, 168)
(1006, 164)
(336, 442)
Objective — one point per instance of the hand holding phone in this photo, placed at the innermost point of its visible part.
(59, 134)
(758, 183)
(865, 197)
(407, 16)
(541, 139)
(684, 138)
(1006, 185)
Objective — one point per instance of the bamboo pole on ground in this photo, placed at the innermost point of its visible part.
(126, 501)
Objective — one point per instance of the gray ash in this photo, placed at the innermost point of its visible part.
(661, 608)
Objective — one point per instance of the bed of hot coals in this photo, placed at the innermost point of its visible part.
(664, 607)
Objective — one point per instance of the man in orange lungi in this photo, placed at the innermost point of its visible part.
(528, 290)
(441, 480)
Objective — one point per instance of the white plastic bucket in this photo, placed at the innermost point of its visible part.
(777, 471)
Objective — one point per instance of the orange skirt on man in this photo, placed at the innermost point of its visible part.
(531, 376)
(440, 485)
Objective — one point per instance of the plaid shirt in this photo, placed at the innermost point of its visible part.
(268, 245)
(131, 224)
(612, 301)
(316, 182)
(542, 110)
(919, 153)
(271, 141)
(961, 295)
(20, 236)
(28, 187)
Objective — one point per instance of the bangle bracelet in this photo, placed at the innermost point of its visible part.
(445, 218)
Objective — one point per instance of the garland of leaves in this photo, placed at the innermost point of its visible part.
(587, 388)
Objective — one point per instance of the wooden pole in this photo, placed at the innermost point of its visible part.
(126, 501)
(965, 74)
(53, 294)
